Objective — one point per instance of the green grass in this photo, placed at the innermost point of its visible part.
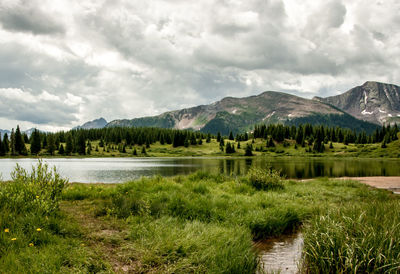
(200, 223)
(35, 237)
(360, 238)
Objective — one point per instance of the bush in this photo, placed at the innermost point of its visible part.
(265, 179)
(39, 191)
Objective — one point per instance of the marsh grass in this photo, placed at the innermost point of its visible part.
(362, 238)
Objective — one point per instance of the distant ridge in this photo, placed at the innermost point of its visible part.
(97, 123)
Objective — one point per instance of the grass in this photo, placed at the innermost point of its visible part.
(35, 236)
(259, 145)
(200, 223)
(360, 238)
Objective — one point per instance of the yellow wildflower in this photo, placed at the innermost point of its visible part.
(37, 197)
(13, 239)
(38, 229)
(82, 244)
(6, 230)
(31, 244)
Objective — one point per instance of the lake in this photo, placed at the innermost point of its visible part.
(116, 170)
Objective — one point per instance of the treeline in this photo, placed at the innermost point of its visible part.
(319, 135)
(79, 140)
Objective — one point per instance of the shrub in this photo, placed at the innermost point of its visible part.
(265, 179)
(38, 191)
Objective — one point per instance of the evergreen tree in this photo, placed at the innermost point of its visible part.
(218, 137)
(61, 150)
(221, 144)
(19, 141)
(134, 152)
(249, 150)
(12, 143)
(81, 144)
(51, 144)
(238, 145)
(208, 140)
(6, 143)
(231, 136)
(35, 142)
(144, 150)
(2, 150)
(230, 148)
(193, 140)
(186, 143)
(330, 145)
(70, 145)
(200, 141)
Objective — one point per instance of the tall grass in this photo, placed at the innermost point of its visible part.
(362, 238)
(34, 236)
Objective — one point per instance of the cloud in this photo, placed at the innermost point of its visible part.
(28, 16)
(126, 59)
(44, 108)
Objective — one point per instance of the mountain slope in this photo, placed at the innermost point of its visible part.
(240, 114)
(97, 123)
(375, 102)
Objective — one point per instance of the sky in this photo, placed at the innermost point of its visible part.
(65, 62)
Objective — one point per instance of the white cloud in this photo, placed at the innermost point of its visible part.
(125, 59)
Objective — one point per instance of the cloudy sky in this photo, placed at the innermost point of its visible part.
(64, 62)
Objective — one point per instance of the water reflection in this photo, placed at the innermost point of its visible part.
(112, 170)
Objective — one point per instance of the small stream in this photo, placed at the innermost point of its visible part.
(281, 254)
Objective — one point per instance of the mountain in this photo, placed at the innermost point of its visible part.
(97, 123)
(241, 114)
(374, 102)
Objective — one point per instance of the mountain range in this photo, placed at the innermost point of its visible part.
(361, 108)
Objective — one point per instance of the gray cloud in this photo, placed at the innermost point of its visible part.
(125, 59)
(27, 16)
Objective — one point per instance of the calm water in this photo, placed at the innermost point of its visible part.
(282, 254)
(115, 170)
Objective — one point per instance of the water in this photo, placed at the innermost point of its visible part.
(116, 170)
(282, 254)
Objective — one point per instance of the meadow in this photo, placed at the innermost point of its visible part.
(200, 223)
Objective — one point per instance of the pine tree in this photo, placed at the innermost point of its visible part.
(144, 150)
(330, 145)
(218, 137)
(6, 143)
(19, 141)
(51, 145)
(81, 144)
(2, 151)
(208, 140)
(61, 150)
(70, 145)
(135, 152)
(249, 150)
(35, 142)
(12, 143)
(231, 136)
(238, 145)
